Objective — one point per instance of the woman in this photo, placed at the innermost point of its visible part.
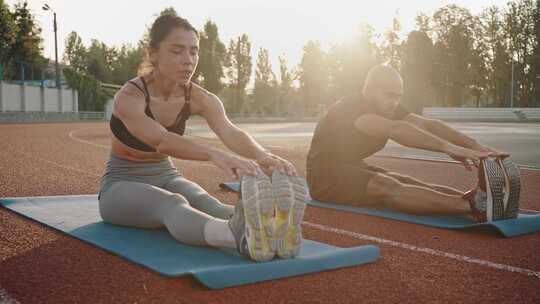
(142, 188)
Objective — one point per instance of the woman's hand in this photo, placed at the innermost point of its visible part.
(232, 164)
(270, 162)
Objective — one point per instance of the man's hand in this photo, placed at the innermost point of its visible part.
(466, 156)
(496, 153)
(270, 162)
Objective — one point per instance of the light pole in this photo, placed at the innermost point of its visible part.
(512, 86)
(46, 7)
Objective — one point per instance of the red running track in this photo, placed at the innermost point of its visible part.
(418, 264)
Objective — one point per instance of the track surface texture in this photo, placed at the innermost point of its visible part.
(418, 264)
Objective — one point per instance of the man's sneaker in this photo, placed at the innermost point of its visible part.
(251, 222)
(494, 189)
(486, 201)
(290, 194)
(512, 187)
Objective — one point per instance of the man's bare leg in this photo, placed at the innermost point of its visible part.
(415, 199)
(405, 179)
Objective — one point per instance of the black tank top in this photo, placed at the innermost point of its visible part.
(179, 126)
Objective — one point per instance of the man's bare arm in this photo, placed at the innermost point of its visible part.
(446, 132)
(410, 135)
(442, 130)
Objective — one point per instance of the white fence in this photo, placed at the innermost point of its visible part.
(29, 98)
(484, 114)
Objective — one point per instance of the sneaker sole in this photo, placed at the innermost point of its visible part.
(290, 194)
(258, 206)
(513, 180)
(494, 189)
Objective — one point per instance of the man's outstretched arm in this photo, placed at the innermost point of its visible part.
(446, 132)
(410, 135)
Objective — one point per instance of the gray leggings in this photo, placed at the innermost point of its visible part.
(155, 195)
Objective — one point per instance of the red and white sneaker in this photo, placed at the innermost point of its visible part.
(512, 187)
(486, 200)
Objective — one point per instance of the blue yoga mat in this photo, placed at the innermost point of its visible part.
(523, 224)
(156, 249)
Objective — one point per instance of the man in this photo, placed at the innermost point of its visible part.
(358, 126)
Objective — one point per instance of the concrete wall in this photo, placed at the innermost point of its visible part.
(11, 97)
(30, 98)
(52, 97)
(484, 114)
(33, 98)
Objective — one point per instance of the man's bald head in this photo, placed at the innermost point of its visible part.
(382, 76)
(383, 87)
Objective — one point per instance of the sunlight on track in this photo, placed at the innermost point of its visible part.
(355, 235)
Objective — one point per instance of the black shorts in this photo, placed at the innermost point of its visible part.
(342, 183)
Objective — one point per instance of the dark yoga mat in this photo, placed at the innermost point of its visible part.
(156, 249)
(523, 224)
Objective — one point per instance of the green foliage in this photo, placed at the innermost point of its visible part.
(417, 71)
(92, 97)
(265, 90)
(238, 70)
(285, 87)
(536, 56)
(211, 59)
(126, 63)
(8, 32)
(75, 53)
(313, 77)
(391, 46)
(28, 42)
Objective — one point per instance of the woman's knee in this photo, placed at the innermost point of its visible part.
(176, 200)
(383, 187)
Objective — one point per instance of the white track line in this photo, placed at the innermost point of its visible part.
(430, 251)
(72, 136)
(5, 298)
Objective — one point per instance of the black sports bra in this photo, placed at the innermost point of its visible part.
(179, 126)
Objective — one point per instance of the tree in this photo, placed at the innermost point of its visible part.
(417, 71)
(238, 64)
(347, 64)
(519, 30)
(264, 92)
(211, 59)
(313, 77)
(75, 54)
(126, 63)
(497, 57)
(285, 86)
(100, 61)
(8, 34)
(423, 24)
(453, 28)
(391, 48)
(27, 47)
(536, 57)
(168, 11)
